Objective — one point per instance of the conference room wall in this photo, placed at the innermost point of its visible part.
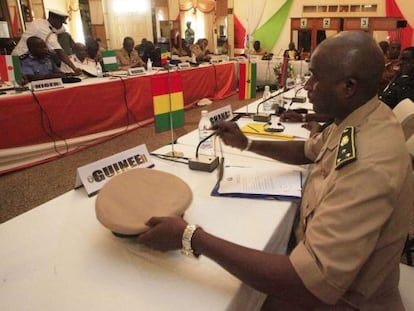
(246, 11)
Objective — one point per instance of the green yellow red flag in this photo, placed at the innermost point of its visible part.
(167, 92)
(247, 80)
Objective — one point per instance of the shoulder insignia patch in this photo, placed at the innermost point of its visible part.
(346, 148)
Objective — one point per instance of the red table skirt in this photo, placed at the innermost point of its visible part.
(86, 109)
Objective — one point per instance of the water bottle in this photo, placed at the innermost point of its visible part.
(298, 83)
(99, 72)
(149, 65)
(267, 105)
(203, 131)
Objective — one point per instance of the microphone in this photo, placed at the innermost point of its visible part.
(205, 163)
(266, 117)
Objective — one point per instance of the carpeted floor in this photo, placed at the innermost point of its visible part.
(28, 188)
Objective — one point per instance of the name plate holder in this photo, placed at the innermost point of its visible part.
(240, 59)
(221, 114)
(93, 176)
(184, 65)
(46, 84)
(137, 71)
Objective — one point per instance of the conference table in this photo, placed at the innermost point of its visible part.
(59, 257)
(38, 126)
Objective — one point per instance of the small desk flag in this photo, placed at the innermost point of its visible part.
(109, 60)
(247, 80)
(167, 92)
(10, 68)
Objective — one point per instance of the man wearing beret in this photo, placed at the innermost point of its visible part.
(47, 30)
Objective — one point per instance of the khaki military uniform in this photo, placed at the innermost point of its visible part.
(126, 60)
(355, 212)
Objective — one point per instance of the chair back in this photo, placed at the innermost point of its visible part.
(404, 112)
(406, 286)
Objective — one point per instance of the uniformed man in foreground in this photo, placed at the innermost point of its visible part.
(356, 203)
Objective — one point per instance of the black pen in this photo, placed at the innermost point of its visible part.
(253, 129)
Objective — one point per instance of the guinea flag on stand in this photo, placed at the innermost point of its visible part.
(247, 80)
(167, 96)
(10, 68)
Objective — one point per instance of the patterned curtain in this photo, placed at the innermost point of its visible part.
(205, 6)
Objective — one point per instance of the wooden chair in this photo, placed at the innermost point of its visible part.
(404, 112)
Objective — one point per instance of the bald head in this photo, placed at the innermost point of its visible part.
(37, 47)
(353, 54)
(346, 71)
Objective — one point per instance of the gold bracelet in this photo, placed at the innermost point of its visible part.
(249, 144)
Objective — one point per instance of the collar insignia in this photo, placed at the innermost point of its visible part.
(346, 148)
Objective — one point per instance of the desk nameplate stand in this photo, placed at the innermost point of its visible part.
(46, 84)
(184, 65)
(136, 71)
(93, 176)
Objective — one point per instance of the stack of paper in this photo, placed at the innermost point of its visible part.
(260, 183)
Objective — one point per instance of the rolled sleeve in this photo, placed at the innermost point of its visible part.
(310, 273)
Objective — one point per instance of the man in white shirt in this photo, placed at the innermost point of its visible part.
(81, 60)
(47, 30)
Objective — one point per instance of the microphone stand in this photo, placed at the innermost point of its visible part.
(206, 163)
(265, 117)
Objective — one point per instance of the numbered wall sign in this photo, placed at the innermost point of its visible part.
(303, 23)
(364, 22)
(326, 23)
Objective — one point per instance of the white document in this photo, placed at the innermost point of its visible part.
(261, 180)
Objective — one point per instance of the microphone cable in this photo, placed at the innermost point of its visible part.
(202, 141)
(215, 79)
(52, 134)
(125, 97)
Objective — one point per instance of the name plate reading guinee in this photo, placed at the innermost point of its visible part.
(46, 84)
(94, 175)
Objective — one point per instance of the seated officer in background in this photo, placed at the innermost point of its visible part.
(402, 85)
(292, 53)
(128, 57)
(257, 49)
(200, 50)
(37, 64)
(81, 60)
(349, 241)
(392, 64)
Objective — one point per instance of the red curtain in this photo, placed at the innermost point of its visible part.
(406, 34)
(239, 34)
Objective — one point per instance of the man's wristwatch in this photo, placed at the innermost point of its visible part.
(186, 241)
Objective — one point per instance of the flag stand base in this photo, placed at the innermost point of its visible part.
(175, 154)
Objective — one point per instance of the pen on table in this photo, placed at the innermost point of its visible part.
(250, 127)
